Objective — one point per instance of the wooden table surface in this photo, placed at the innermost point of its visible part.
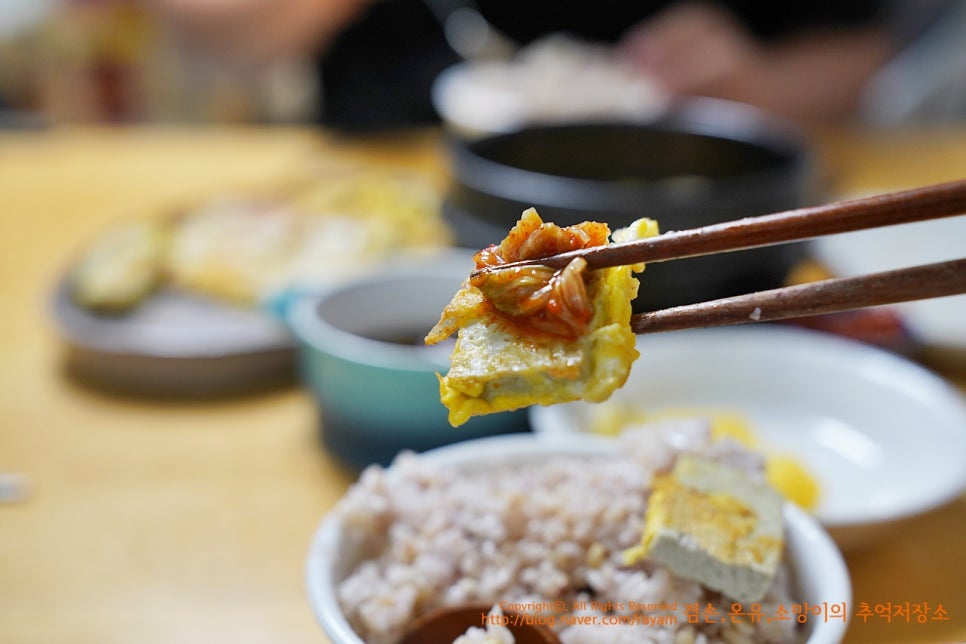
(151, 521)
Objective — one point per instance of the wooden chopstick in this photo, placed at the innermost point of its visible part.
(816, 298)
(920, 204)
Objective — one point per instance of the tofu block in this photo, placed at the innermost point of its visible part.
(714, 524)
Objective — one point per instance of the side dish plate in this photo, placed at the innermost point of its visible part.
(174, 344)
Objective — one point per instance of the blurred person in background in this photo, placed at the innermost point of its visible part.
(75, 61)
(377, 59)
(925, 81)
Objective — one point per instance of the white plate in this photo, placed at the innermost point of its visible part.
(941, 321)
(885, 437)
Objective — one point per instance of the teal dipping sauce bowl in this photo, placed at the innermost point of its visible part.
(362, 356)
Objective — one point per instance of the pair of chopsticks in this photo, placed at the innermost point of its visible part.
(816, 298)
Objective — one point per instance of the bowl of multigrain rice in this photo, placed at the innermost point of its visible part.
(538, 521)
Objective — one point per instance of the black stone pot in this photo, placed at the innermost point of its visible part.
(707, 161)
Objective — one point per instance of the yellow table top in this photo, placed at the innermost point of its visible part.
(148, 521)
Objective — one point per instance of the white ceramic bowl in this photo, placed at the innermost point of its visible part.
(820, 574)
(885, 437)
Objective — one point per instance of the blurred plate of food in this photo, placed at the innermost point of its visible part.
(179, 303)
(936, 325)
(556, 79)
(860, 436)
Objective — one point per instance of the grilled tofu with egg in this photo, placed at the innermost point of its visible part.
(714, 524)
(535, 335)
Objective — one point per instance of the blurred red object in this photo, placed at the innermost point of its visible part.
(880, 326)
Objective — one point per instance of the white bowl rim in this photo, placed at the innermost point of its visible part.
(319, 569)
